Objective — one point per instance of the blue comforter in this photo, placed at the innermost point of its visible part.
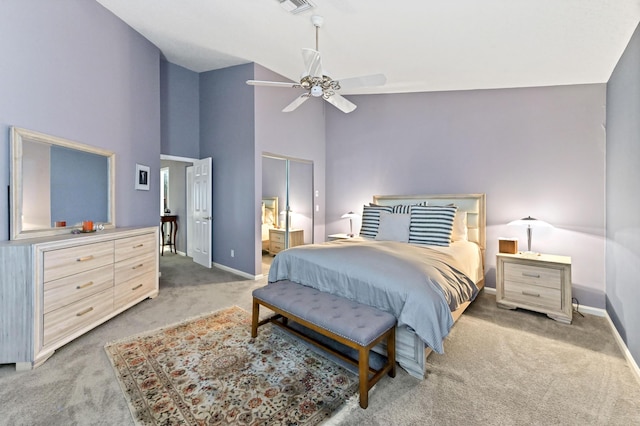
(417, 284)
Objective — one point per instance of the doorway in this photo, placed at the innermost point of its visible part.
(183, 191)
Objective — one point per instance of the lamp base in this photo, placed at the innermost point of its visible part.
(529, 253)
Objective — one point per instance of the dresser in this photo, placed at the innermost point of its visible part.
(55, 289)
(277, 239)
(540, 283)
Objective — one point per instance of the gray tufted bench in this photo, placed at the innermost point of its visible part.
(350, 323)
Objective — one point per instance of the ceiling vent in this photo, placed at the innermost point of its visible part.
(296, 6)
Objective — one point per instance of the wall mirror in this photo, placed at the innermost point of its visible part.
(56, 184)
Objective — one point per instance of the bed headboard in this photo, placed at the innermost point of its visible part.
(270, 204)
(473, 204)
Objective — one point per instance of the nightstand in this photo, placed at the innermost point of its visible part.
(540, 283)
(277, 239)
(334, 237)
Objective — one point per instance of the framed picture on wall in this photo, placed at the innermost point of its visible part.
(142, 177)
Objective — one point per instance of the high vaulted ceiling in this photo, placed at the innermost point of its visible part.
(420, 45)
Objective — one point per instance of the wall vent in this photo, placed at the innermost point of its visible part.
(296, 6)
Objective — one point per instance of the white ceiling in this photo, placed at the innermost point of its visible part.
(420, 45)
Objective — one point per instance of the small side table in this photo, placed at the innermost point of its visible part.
(540, 283)
(173, 230)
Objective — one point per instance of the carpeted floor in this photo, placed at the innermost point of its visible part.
(500, 367)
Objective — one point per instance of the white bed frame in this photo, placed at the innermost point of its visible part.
(411, 352)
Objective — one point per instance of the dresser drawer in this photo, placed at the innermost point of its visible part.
(277, 237)
(135, 267)
(276, 247)
(534, 295)
(533, 275)
(62, 322)
(65, 291)
(133, 289)
(127, 248)
(68, 261)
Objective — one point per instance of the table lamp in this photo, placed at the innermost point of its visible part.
(530, 223)
(351, 216)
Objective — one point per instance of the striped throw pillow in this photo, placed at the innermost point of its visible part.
(431, 225)
(371, 220)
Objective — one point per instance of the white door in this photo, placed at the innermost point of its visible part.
(201, 190)
(189, 210)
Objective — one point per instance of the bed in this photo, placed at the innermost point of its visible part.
(434, 270)
(269, 219)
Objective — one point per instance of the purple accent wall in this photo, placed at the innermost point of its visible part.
(534, 151)
(623, 203)
(299, 134)
(72, 69)
(180, 111)
(227, 134)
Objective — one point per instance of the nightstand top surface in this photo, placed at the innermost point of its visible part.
(539, 257)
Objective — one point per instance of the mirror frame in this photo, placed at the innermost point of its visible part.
(18, 137)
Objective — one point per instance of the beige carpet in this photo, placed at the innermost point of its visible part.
(500, 368)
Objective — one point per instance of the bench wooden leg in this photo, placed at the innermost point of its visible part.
(391, 351)
(363, 372)
(256, 315)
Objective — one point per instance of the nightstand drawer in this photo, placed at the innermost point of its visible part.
(534, 295)
(533, 275)
(277, 237)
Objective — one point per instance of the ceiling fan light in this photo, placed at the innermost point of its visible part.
(316, 91)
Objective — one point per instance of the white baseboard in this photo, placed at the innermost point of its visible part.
(599, 312)
(237, 272)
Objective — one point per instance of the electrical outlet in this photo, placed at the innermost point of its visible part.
(233, 253)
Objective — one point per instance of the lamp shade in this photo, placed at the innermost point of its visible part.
(350, 215)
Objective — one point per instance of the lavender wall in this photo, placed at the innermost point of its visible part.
(72, 69)
(536, 151)
(180, 111)
(299, 134)
(227, 134)
(623, 203)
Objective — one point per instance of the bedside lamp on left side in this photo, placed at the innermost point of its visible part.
(350, 216)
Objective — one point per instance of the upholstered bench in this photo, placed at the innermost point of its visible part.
(350, 323)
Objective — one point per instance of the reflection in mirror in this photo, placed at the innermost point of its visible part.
(56, 184)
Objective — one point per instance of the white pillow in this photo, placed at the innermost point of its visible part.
(393, 227)
(459, 231)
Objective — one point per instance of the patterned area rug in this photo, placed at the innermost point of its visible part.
(209, 371)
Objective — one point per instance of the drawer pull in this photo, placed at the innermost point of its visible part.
(526, 293)
(138, 246)
(136, 287)
(530, 274)
(86, 311)
(83, 259)
(80, 287)
(138, 266)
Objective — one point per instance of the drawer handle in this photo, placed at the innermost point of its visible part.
(138, 266)
(138, 246)
(526, 293)
(530, 274)
(136, 287)
(80, 287)
(82, 259)
(86, 311)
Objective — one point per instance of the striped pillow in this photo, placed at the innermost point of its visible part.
(402, 208)
(431, 225)
(371, 220)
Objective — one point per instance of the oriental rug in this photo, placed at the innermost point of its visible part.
(209, 371)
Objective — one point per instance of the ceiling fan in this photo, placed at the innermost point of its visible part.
(320, 85)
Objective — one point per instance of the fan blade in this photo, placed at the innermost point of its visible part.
(271, 83)
(296, 102)
(312, 62)
(341, 103)
(362, 81)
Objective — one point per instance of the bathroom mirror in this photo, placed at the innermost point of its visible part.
(56, 184)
